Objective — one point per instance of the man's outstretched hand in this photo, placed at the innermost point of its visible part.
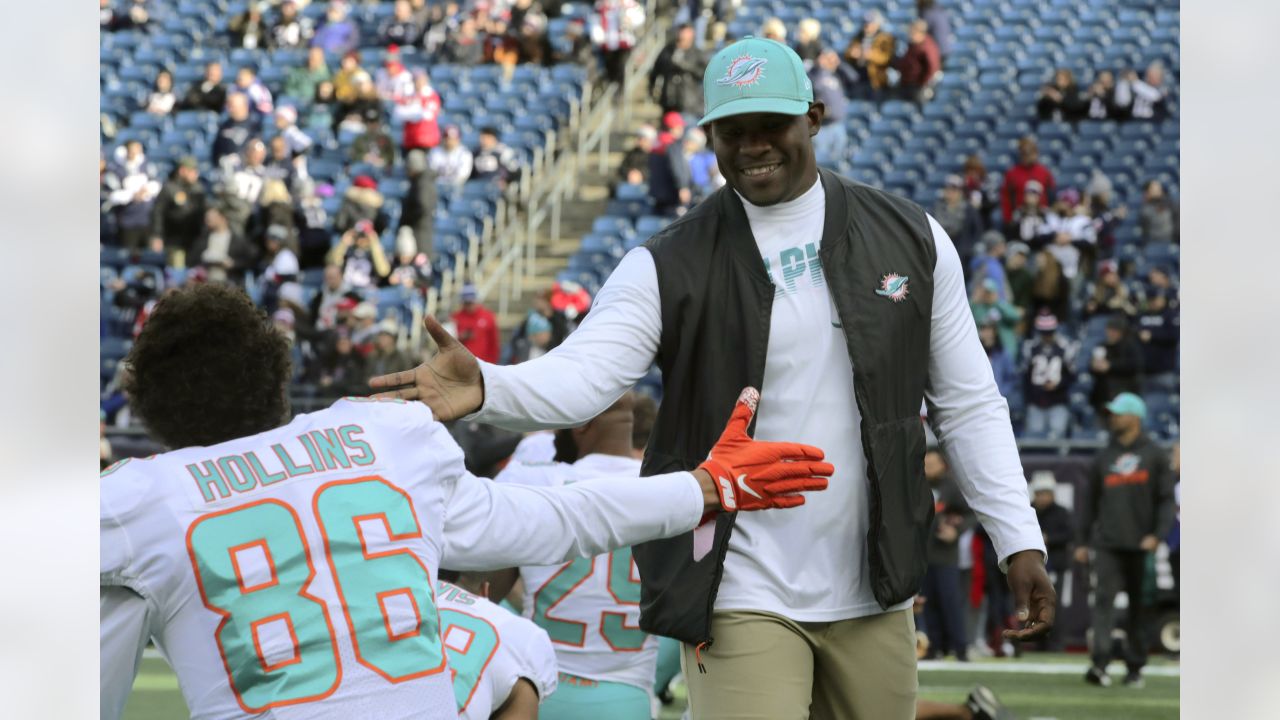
(752, 475)
(1033, 595)
(449, 383)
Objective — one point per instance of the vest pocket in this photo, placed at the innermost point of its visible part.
(901, 509)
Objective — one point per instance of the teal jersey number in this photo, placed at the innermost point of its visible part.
(613, 627)
(261, 674)
(367, 581)
(626, 591)
(271, 530)
(479, 640)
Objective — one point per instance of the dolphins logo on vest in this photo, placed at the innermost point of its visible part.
(743, 72)
(893, 286)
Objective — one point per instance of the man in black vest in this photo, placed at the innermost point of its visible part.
(846, 306)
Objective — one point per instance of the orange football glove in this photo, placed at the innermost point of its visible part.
(755, 475)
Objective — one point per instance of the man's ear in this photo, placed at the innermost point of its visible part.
(817, 111)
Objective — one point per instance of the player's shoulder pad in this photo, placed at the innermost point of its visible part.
(125, 488)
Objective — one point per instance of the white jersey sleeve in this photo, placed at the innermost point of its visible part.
(490, 650)
(490, 526)
(124, 628)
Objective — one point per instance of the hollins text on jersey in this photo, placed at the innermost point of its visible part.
(314, 451)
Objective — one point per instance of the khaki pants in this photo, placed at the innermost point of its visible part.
(765, 667)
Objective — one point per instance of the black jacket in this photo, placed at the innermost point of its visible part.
(949, 506)
(1130, 495)
(716, 303)
(1124, 373)
(1055, 524)
(178, 213)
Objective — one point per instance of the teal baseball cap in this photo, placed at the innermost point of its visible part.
(755, 75)
(1126, 403)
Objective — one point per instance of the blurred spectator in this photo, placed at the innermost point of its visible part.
(919, 65)
(1001, 362)
(275, 210)
(1098, 195)
(1116, 364)
(671, 130)
(536, 340)
(1127, 509)
(160, 100)
(301, 82)
(386, 357)
(1026, 170)
(465, 47)
(312, 223)
(338, 35)
(938, 20)
(614, 28)
(808, 41)
(259, 96)
(1050, 291)
(362, 201)
(1060, 100)
(1158, 330)
(359, 253)
(675, 82)
(393, 80)
(573, 47)
(133, 190)
(208, 94)
(355, 116)
(634, 169)
(1159, 280)
(1029, 218)
(177, 218)
(280, 260)
(1158, 217)
(221, 250)
(418, 208)
(669, 174)
(1018, 275)
(451, 160)
(296, 142)
(241, 184)
(493, 160)
(870, 51)
(1101, 97)
(944, 606)
(500, 46)
(1048, 360)
(833, 83)
(988, 262)
(1070, 224)
(420, 111)
(364, 326)
(249, 29)
(704, 174)
(989, 308)
(477, 328)
(411, 268)
(111, 20)
(982, 189)
(342, 369)
(349, 77)
(291, 30)
(1148, 93)
(374, 145)
(1058, 531)
(1109, 295)
(958, 217)
(774, 29)
(333, 290)
(401, 28)
(532, 44)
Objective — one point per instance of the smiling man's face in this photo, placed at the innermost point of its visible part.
(768, 157)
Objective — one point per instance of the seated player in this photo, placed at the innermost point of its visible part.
(287, 569)
(502, 664)
(590, 607)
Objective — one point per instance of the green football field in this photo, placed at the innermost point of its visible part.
(1041, 687)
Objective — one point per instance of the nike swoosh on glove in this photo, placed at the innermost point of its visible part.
(757, 475)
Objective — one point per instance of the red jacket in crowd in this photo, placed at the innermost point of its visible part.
(919, 63)
(420, 111)
(1016, 179)
(477, 329)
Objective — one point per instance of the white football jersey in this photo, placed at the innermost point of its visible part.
(590, 607)
(291, 574)
(490, 649)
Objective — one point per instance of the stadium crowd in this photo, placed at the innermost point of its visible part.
(330, 157)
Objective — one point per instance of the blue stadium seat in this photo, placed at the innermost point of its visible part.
(612, 225)
(633, 192)
(647, 225)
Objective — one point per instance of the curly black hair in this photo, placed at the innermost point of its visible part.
(207, 368)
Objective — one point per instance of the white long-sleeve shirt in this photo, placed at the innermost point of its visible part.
(806, 397)
(290, 574)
